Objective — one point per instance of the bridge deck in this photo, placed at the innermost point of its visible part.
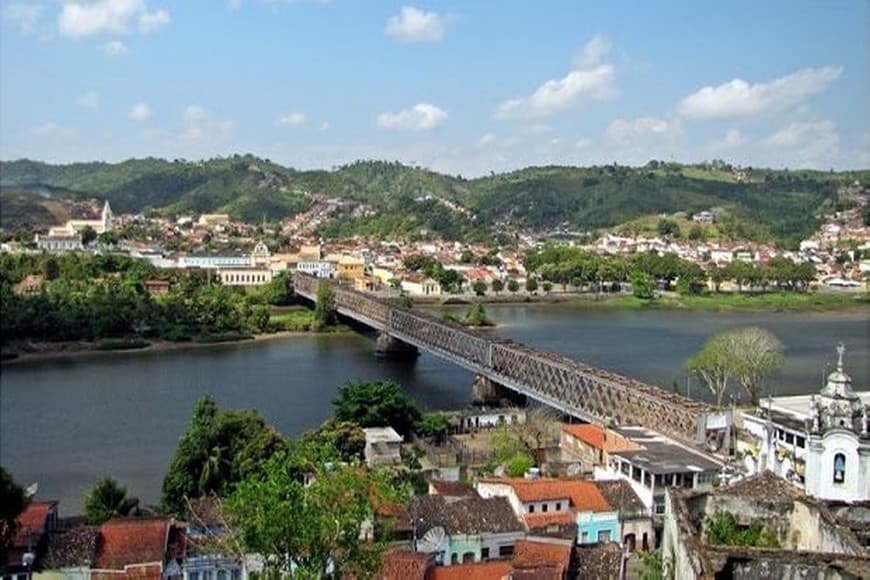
(574, 388)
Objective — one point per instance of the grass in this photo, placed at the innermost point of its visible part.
(294, 320)
(792, 301)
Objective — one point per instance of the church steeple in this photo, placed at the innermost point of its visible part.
(837, 405)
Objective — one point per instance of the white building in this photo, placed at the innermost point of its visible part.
(214, 260)
(318, 268)
(59, 243)
(251, 276)
(383, 446)
(838, 452)
(818, 442)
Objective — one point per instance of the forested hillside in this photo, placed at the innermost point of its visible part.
(413, 202)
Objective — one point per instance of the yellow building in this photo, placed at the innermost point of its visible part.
(245, 276)
(350, 268)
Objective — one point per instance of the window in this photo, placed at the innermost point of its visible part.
(839, 468)
(584, 538)
(468, 557)
(604, 536)
(454, 558)
(484, 553)
(789, 438)
(624, 468)
(504, 551)
(544, 508)
(801, 442)
(531, 508)
(660, 508)
(558, 505)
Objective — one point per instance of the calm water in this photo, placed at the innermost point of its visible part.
(66, 423)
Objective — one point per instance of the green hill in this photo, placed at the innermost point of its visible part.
(413, 202)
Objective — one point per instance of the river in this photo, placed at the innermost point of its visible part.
(64, 423)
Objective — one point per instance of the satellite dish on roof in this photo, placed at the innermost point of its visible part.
(433, 541)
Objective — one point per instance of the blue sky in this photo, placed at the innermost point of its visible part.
(461, 87)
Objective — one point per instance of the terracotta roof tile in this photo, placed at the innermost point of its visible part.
(549, 519)
(466, 515)
(495, 570)
(132, 541)
(619, 494)
(31, 522)
(451, 488)
(405, 565)
(599, 437)
(599, 561)
(765, 485)
(584, 494)
(529, 553)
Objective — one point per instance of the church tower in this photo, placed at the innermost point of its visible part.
(838, 448)
(107, 218)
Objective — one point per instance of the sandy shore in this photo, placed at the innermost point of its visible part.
(84, 350)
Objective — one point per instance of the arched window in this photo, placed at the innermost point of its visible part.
(839, 468)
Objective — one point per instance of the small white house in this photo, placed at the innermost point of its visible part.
(383, 446)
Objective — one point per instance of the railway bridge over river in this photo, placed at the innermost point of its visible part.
(573, 388)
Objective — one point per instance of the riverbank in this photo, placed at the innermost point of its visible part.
(58, 351)
(771, 301)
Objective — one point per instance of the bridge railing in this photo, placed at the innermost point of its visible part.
(588, 390)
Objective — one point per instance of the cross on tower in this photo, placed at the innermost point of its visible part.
(840, 350)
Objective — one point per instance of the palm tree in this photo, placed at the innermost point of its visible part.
(108, 499)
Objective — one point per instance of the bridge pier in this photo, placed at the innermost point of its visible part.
(391, 347)
(485, 391)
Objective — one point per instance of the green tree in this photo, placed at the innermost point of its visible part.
(108, 239)
(433, 425)
(476, 316)
(513, 286)
(696, 233)
(218, 449)
(376, 404)
(88, 235)
(713, 364)
(531, 284)
(497, 285)
(547, 287)
(50, 268)
(479, 287)
(347, 438)
(325, 313)
(755, 353)
(12, 502)
(667, 227)
(723, 529)
(108, 499)
(307, 523)
(642, 285)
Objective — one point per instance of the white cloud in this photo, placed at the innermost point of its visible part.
(583, 143)
(415, 25)
(732, 139)
(79, 18)
(25, 17)
(89, 100)
(149, 21)
(593, 53)
(291, 119)
(623, 132)
(140, 112)
(54, 130)
(486, 139)
(738, 98)
(115, 48)
(420, 117)
(325, 126)
(195, 113)
(811, 144)
(560, 94)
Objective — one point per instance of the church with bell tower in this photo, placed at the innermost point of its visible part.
(838, 442)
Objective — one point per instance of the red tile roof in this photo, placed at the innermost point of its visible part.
(495, 570)
(132, 541)
(599, 437)
(405, 565)
(451, 488)
(31, 522)
(549, 519)
(584, 494)
(529, 553)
